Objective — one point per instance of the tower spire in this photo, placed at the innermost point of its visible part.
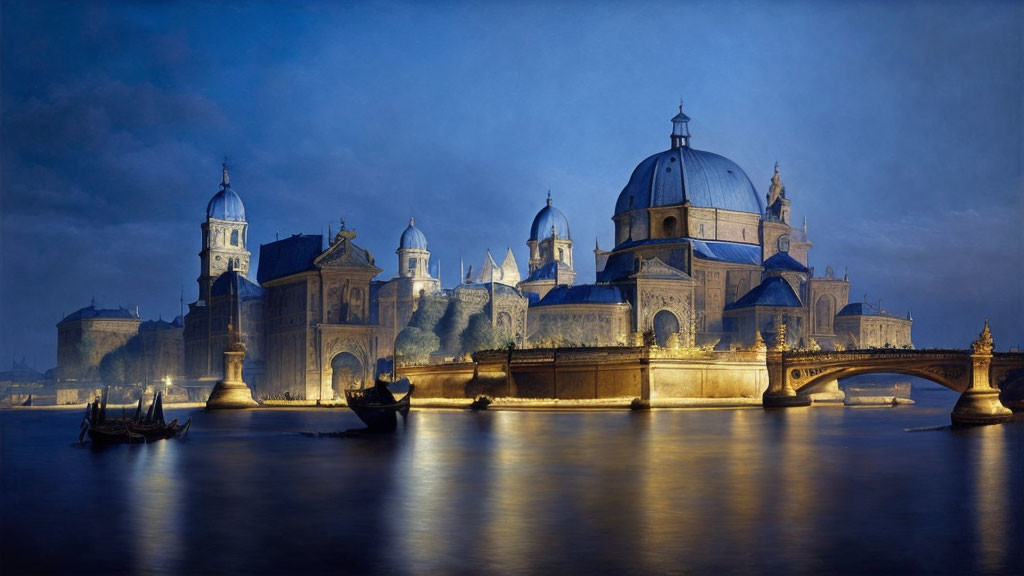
(549, 196)
(225, 178)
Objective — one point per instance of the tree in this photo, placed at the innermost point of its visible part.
(413, 346)
(125, 365)
(479, 334)
(430, 310)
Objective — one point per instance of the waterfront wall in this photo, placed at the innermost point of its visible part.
(658, 375)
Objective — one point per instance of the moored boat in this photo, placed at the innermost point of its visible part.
(135, 430)
(377, 406)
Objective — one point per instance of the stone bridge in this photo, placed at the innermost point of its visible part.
(978, 374)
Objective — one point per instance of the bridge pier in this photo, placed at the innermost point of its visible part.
(780, 393)
(980, 404)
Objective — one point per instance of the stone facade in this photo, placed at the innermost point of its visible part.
(873, 328)
(163, 350)
(319, 322)
(86, 336)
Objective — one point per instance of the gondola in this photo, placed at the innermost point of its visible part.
(377, 406)
(135, 430)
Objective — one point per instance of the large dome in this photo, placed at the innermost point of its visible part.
(683, 174)
(549, 217)
(226, 204)
(412, 238)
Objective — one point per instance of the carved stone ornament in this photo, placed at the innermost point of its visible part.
(984, 343)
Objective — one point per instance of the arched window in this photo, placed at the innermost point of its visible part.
(561, 255)
(234, 237)
(668, 227)
(412, 266)
(824, 310)
(665, 324)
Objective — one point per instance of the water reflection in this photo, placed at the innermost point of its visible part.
(991, 498)
(665, 491)
(154, 508)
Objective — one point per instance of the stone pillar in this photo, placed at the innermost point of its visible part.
(779, 393)
(232, 392)
(980, 404)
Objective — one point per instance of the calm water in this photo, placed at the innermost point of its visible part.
(806, 490)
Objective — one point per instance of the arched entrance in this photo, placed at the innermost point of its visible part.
(346, 372)
(665, 324)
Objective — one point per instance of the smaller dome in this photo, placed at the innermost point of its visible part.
(412, 238)
(549, 217)
(226, 204)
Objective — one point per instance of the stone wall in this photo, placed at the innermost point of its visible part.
(659, 375)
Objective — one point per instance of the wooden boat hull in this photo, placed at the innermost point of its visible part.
(102, 430)
(115, 433)
(377, 406)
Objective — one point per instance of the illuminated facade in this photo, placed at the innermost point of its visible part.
(701, 260)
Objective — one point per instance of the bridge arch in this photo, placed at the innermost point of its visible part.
(802, 371)
(805, 387)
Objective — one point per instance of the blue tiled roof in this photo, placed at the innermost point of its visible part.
(93, 312)
(549, 217)
(289, 256)
(160, 324)
(583, 294)
(618, 266)
(549, 271)
(862, 309)
(774, 291)
(783, 261)
(622, 263)
(412, 238)
(705, 179)
(727, 252)
(246, 288)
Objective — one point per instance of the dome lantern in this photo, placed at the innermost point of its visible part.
(680, 129)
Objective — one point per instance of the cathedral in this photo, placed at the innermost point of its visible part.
(701, 259)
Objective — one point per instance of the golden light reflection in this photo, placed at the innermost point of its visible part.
(746, 471)
(519, 496)
(156, 514)
(798, 497)
(990, 497)
(427, 492)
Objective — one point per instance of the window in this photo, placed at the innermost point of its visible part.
(234, 237)
(668, 227)
(561, 255)
(412, 267)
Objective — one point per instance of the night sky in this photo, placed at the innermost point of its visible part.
(898, 130)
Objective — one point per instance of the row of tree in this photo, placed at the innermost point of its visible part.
(452, 327)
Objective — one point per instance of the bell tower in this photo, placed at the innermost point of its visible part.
(225, 236)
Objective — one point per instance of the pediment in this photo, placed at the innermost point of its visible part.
(654, 268)
(344, 254)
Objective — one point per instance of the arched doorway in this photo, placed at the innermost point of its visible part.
(346, 372)
(665, 324)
